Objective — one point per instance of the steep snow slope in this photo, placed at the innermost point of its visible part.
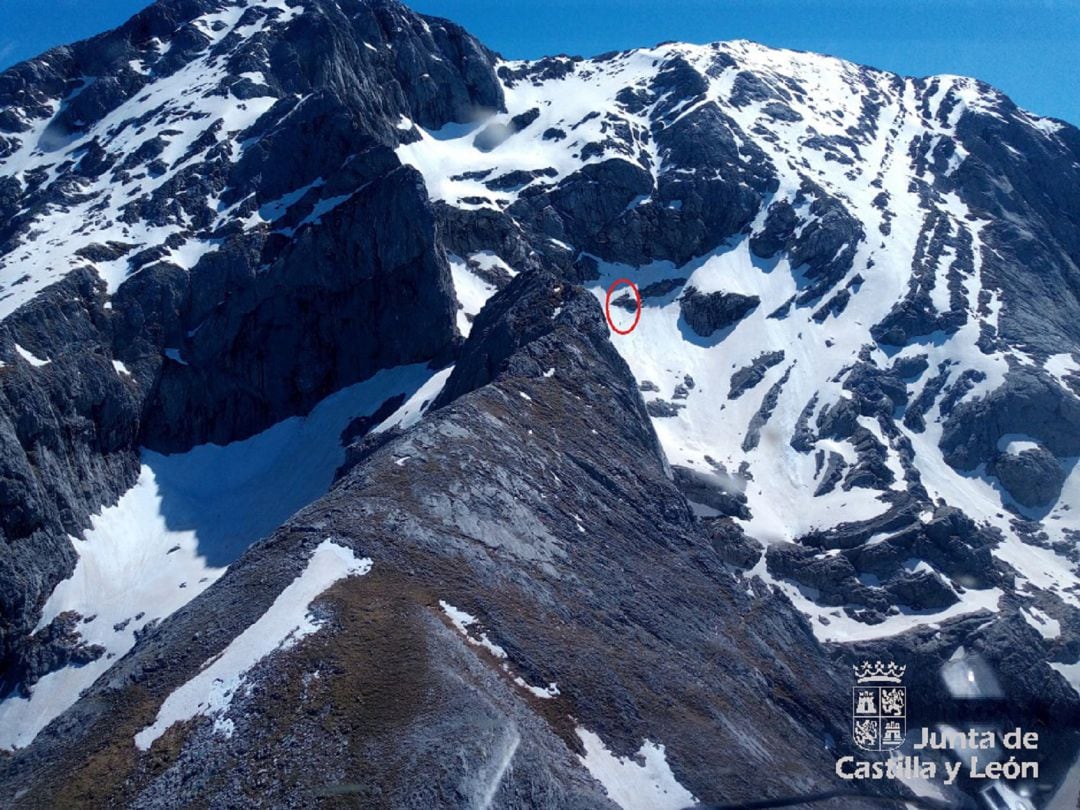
(188, 517)
(865, 259)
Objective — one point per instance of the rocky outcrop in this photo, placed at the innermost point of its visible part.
(764, 412)
(721, 493)
(69, 421)
(1033, 477)
(748, 376)
(707, 313)
(56, 645)
(1028, 403)
(904, 568)
(1016, 173)
(713, 182)
(826, 245)
(277, 350)
(731, 543)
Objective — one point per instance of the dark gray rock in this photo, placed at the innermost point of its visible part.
(876, 392)
(831, 576)
(871, 469)
(764, 412)
(1033, 477)
(909, 368)
(851, 534)
(658, 289)
(826, 245)
(1016, 174)
(719, 492)
(467, 231)
(662, 409)
(839, 420)
(714, 182)
(914, 416)
(707, 313)
(923, 590)
(780, 225)
(1029, 403)
(56, 645)
(831, 475)
(749, 376)
(385, 279)
(68, 432)
(731, 543)
(803, 437)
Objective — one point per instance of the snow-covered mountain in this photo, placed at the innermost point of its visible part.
(316, 444)
(889, 336)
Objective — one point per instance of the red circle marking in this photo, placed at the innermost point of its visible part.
(607, 306)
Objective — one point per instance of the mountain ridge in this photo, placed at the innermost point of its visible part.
(902, 255)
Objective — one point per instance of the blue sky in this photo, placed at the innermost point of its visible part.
(1028, 48)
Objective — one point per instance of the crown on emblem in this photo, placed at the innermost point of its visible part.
(877, 671)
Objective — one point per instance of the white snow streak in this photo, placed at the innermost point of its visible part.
(286, 622)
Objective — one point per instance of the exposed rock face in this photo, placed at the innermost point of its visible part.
(713, 181)
(906, 568)
(826, 246)
(748, 376)
(711, 490)
(68, 428)
(707, 313)
(1034, 477)
(315, 278)
(1034, 266)
(1028, 403)
(53, 647)
(731, 543)
(279, 350)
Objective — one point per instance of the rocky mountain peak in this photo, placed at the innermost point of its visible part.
(306, 317)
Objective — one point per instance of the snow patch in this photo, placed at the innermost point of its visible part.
(471, 292)
(1016, 443)
(1049, 627)
(543, 692)
(463, 622)
(416, 406)
(642, 782)
(286, 622)
(30, 357)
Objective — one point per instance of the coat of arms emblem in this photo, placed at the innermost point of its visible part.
(879, 706)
